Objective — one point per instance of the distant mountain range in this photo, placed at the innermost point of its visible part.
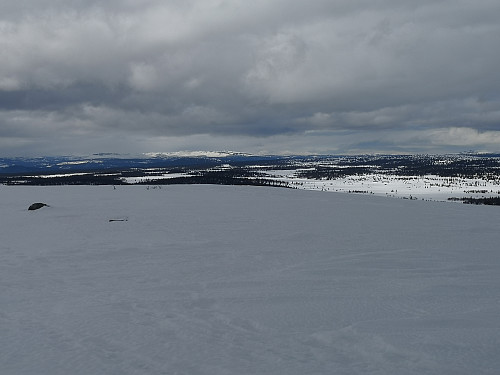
(111, 161)
(478, 175)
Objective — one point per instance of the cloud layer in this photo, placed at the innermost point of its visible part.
(263, 76)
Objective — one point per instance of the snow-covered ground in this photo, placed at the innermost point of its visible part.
(428, 187)
(245, 280)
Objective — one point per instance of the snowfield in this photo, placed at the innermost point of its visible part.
(428, 187)
(245, 280)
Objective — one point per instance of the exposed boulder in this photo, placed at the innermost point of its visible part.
(36, 206)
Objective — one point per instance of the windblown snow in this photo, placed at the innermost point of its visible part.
(245, 280)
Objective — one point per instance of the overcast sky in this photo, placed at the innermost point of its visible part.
(260, 76)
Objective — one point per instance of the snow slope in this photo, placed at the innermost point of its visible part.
(245, 280)
(428, 187)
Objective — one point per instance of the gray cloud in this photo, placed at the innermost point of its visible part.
(261, 76)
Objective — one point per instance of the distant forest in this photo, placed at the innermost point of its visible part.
(243, 169)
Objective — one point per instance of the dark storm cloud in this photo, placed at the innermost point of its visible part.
(404, 74)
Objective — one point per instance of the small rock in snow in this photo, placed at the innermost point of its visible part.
(36, 206)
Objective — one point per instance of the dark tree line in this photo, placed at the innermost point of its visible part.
(491, 201)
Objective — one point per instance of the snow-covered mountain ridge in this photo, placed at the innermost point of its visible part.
(435, 177)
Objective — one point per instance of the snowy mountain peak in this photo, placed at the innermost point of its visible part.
(209, 154)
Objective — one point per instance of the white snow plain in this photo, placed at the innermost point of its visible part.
(428, 187)
(245, 280)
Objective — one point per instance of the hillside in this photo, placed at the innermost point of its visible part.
(197, 279)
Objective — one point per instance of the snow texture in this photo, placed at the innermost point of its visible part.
(428, 187)
(245, 280)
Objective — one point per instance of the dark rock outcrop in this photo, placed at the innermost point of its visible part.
(36, 206)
